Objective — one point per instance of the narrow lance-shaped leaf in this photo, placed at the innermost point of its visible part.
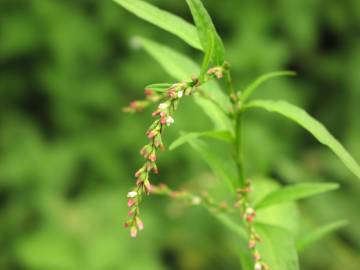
(254, 85)
(222, 135)
(310, 124)
(295, 192)
(163, 19)
(277, 248)
(319, 233)
(182, 68)
(205, 26)
(207, 58)
(158, 87)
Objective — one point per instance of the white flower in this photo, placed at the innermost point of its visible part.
(163, 106)
(132, 194)
(250, 211)
(169, 120)
(258, 266)
(180, 94)
(196, 200)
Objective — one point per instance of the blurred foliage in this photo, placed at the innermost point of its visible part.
(67, 152)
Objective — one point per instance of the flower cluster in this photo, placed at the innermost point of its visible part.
(249, 215)
(140, 105)
(154, 134)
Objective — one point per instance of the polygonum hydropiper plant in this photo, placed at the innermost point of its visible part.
(270, 244)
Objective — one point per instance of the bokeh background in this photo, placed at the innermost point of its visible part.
(68, 153)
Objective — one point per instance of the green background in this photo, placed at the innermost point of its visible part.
(68, 153)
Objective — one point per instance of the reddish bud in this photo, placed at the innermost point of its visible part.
(163, 121)
(139, 224)
(130, 213)
(148, 92)
(145, 151)
(252, 244)
(172, 93)
(133, 104)
(155, 170)
(155, 112)
(151, 134)
(139, 182)
(131, 202)
(139, 172)
(250, 218)
(152, 157)
(126, 224)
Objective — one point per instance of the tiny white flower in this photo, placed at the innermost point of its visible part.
(180, 94)
(196, 200)
(249, 211)
(163, 106)
(258, 266)
(169, 120)
(132, 194)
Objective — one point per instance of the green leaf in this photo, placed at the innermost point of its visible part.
(277, 248)
(182, 68)
(205, 26)
(222, 135)
(302, 118)
(254, 85)
(284, 215)
(220, 168)
(295, 192)
(159, 87)
(207, 58)
(163, 19)
(319, 233)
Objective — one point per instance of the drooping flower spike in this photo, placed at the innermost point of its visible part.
(164, 113)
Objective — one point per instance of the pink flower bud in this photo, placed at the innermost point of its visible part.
(151, 134)
(133, 232)
(131, 202)
(130, 213)
(252, 244)
(163, 120)
(139, 172)
(139, 224)
(152, 157)
(172, 93)
(145, 151)
(256, 255)
(155, 112)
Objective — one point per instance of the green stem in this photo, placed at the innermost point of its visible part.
(238, 148)
(228, 81)
(236, 106)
